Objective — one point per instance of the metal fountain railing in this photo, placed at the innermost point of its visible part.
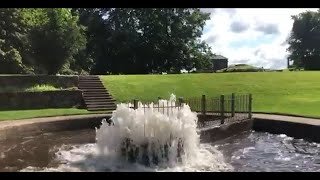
(211, 110)
(222, 109)
(165, 107)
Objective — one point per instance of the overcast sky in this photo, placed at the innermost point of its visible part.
(251, 36)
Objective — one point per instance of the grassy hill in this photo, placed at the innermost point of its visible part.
(241, 68)
(281, 92)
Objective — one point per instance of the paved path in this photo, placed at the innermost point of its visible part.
(303, 120)
(10, 123)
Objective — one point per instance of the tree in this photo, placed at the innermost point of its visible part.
(55, 37)
(102, 40)
(125, 40)
(12, 37)
(94, 57)
(304, 46)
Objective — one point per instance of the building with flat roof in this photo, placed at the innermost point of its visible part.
(219, 62)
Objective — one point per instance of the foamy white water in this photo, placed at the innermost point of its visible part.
(86, 158)
(157, 138)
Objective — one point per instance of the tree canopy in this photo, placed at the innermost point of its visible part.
(55, 37)
(102, 40)
(12, 34)
(304, 41)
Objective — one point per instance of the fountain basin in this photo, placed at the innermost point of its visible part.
(36, 143)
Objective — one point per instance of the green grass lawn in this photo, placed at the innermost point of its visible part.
(281, 92)
(24, 114)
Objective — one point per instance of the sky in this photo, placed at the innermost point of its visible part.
(251, 36)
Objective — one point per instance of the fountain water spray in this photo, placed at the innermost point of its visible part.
(154, 137)
(162, 133)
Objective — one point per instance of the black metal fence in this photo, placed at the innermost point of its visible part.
(164, 107)
(221, 109)
(212, 110)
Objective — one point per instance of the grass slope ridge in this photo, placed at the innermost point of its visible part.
(241, 68)
(285, 92)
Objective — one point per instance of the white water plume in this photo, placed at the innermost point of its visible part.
(152, 133)
(154, 137)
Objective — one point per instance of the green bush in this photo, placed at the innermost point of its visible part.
(42, 87)
(34, 88)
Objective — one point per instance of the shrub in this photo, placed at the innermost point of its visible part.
(42, 87)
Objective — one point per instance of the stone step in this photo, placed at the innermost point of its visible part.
(109, 97)
(85, 77)
(101, 98)
(93, 89)
(95, 95)
(91, 86)
(96, 90)
(99, 101)
(102, 105)
(88, 77)
(91, 78)
(87, 80)
(101, 109)
(99, 95)
(92, 94)
(90, 82)
(90, 106)
(111, 103)
(90, 102)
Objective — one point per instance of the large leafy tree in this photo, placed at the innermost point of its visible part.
(12, 38)
(304, 41)
(93, 57)
(109, 40)
(126, 40)
(55, 37)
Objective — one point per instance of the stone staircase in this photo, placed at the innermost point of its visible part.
(96, 97)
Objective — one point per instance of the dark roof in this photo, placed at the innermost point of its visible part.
(219, 57)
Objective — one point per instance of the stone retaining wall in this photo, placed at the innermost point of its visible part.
(40, 100)
(30, 80)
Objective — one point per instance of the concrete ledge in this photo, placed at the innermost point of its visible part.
(296, 127)
(224, 131)
(285, 114)
(29, 127)
(298, 130)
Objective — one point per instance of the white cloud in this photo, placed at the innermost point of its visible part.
(239, 26)
(260, 40)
